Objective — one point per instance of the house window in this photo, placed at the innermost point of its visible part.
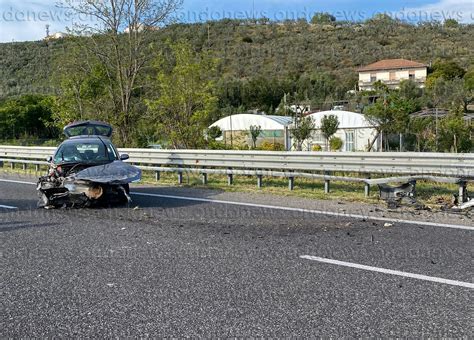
(350, 145)
(411, 75)
(373, 78)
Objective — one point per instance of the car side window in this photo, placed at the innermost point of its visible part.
(112, 152)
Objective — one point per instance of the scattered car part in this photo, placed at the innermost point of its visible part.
(396, 195)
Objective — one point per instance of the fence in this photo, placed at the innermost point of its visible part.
(441, 167)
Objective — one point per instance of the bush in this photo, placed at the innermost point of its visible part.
(335, 144)
(267, 146)
(216, 145)
(317, 147)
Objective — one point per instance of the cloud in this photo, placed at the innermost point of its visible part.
(460, 10)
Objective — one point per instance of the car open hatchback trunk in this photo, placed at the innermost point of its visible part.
(89, 128)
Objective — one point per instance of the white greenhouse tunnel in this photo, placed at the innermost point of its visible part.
(354, 130)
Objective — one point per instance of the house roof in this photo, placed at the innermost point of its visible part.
(389, 64)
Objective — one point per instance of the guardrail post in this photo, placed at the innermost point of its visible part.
(462, 192)
(367, 188)
(1, 164)
(291, 183)
(180, 177)
(12, 165)
(204, 178)
(327, 183)
(157, 173)
(259, 181)
(37, 169)
(24, 166)
(230, 178)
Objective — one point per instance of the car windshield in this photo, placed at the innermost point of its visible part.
(86, 152)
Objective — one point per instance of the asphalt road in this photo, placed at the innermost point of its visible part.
(189, 268)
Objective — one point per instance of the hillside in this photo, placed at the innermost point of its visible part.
(285, 51)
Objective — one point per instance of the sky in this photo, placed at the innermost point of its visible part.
(22, 20)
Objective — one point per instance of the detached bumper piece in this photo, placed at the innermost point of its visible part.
(98, 185)
(397, 195)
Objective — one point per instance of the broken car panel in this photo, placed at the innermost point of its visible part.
(87, 169)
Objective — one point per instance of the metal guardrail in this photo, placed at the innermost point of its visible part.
(453, 168)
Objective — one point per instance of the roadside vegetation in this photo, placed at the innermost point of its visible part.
(166, 86)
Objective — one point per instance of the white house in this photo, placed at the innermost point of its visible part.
(274, 129)
(354, 130)
(391, 72)
(56, 36)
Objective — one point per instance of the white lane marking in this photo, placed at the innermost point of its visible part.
(390, 271)
(7, 207)
(17, 182)
(308, 211)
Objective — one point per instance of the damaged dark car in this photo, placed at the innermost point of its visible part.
(87, 170)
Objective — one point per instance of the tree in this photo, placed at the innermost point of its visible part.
(409, 90)
(329, 126)
(421, 127)
(185, 95)
(214, 132)
(448, 70)
(323, 18)
(302, 130)
(27, 116)
(451, 23)
(123, 57)
(254, 133)
(455, 134)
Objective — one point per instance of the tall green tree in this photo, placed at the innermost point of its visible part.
(329, 126)
(185, 95)
(455, 134)
(302, 130)
(119, 37)
(28, 116)
(254, 132)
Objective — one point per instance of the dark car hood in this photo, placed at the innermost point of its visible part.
(116, 173)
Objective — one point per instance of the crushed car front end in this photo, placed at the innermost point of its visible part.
(86, 170)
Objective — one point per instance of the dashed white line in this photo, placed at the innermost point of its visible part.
(7, 207)
(307, 211)
(390, 271)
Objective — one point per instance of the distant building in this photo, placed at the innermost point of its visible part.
(391, 72)
(354, 130)
(275, 129)
(56, 36)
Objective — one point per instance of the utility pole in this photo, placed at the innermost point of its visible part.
(47, 30)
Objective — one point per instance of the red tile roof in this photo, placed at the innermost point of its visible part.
(389, 64)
